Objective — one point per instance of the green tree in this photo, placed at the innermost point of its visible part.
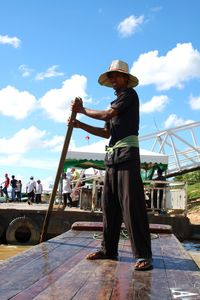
(191, 177)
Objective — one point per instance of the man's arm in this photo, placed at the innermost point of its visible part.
(104, 115)
(102, 132)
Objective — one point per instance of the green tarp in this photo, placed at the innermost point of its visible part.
(150, 162)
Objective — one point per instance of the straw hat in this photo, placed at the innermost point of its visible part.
(118, 66)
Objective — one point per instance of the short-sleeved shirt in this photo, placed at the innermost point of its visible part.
(6, 182)
(31, 185)
(39, 188)
(124, 124)
(13, 183)
(66, 185)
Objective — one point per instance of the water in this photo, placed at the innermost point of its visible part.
(193, 245)
(7, 251)
(193, 248)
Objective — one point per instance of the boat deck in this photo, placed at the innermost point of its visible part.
(57, 269)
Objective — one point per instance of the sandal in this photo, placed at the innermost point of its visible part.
(100, 255)
(143, 264)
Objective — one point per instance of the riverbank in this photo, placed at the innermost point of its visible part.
(194, 211)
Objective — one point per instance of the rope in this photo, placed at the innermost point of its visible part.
(123, 235)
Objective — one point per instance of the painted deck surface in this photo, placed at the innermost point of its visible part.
(57, 269)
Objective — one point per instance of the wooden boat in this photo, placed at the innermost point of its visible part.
(57, 269)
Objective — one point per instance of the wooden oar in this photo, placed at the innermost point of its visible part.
(58, 174)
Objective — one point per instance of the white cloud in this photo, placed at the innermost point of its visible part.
(129, 25)
(21, 150)
(194, 102)
(25, 70)
(13, 41)
(23, 141)
(47, 183)
(172, 70)
(16, 103)
(156, 8)
(98, 147)
(30, 139)
(174, 121)
(55, 144)
(56, 102)
(18, 160)
(51, 72)
(157, 103)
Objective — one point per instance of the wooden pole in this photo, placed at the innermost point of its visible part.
(58, 174)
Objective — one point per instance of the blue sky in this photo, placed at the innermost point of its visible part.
(51, 52)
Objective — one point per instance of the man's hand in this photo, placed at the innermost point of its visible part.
(76, 123)
(77, 105)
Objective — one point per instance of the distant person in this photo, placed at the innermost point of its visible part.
(69, 175)
(19, 190)
(66, 184)
(75, 174)
(99, 194)
(82, 177)
(6, 185)
(13, 184)
(30, 190)
(1, 191)
(158, 191)
(38, 191)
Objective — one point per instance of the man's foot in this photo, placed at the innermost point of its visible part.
(143, 264)
(29, 202)
(100, 255)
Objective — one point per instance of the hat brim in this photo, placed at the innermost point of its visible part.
(104, 80)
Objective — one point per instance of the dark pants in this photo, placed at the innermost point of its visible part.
(66, 196)
(158, 198)
(31, 196)
(5, 191)
(19, 195)
(38, 198)
(123, 200)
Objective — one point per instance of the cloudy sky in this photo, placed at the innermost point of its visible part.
(49, 54)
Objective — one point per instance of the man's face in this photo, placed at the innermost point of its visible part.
(118, 80)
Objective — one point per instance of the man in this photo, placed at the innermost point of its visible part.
(75, 174)
(30, 189)
(13, 184)
(6, 185)
(38, 191)
(66, 183)
(123, 196)
(158, 191)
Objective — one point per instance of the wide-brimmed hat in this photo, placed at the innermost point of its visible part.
(118, 66)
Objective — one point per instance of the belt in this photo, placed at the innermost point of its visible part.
(129, 141)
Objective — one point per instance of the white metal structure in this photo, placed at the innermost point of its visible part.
(181, 144)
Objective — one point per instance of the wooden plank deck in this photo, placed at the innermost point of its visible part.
(57, 269)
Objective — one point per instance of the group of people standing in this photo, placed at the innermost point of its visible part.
(16, 188)
(34, 189)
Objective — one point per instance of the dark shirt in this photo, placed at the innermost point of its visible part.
(160, 178)
(13, 183)
(127, 120)
(126, 123)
